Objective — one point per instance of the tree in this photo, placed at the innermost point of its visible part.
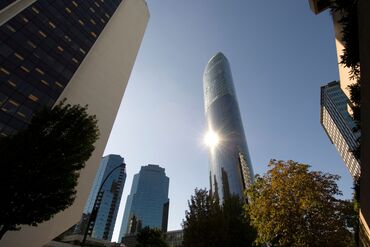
(207, 223)
(239, 231)
(292, 206)
(203, 224)
(41, 164)
(148, 237)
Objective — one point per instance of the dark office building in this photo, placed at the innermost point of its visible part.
(40, 50)
(80, 50)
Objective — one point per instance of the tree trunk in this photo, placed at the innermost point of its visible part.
(3, 230)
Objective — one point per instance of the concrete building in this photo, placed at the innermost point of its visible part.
(339, 125)
(318, 6)
(83, 51)
(148, 203)
(363, 18)
(106, 196)
(230, 165)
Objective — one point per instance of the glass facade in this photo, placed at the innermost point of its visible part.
(148, 203)
(338, 125)
(108, 197)
(40, 49)
(230, 165)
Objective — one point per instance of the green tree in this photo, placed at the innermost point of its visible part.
(292, 206)
(148, 237)
(207, 223)
(239, 231)
(40, 165)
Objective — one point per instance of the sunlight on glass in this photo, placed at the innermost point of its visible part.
(211, 139)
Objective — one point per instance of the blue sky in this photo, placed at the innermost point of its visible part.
(280, 54)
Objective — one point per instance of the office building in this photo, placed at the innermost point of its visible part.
(83, 51)
(147, 203)
(339, 125)
(175, 238)
(361, 10)
(230, 165)
(106, 196)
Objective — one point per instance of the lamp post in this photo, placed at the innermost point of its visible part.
(95, 210)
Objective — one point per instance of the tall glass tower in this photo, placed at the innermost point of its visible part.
(230, 165)
(339, 125)
(148, 203)
(108, 196)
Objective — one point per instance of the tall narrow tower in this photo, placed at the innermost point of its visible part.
(230, 165)
(107, 191)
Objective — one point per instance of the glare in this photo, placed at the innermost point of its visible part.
(211, 139)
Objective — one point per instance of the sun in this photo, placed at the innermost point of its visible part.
(211, 139)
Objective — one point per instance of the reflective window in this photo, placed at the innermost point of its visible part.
(40, 50)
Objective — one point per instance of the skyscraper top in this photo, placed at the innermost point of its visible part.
(216, 79)
(154, 167)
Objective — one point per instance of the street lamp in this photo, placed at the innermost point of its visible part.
(96, 207)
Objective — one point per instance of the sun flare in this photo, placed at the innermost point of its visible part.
(211, 139)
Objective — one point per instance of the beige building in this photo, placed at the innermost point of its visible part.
(89, 60)
(363, 10)
(317, 6)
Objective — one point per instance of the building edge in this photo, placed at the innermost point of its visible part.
(110, 60)
(364, 45)
(363, 10)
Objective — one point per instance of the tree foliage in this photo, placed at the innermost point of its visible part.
(347, 9)
(292, 206)
(148, 237)
(41, 164)
(355, 102)
(207, 223)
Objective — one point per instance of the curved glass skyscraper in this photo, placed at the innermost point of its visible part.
(230, 165)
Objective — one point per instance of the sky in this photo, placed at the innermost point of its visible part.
(280, 53)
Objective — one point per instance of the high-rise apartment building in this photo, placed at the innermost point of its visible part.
(360, 28)
(83, 51)
(147, 203)
(339, 125)
(230, 165)
(106, 195)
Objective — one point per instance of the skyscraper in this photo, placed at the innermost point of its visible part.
(359, 11)
(230, 165)
(106, 191)
(339, 125)
(148, 203)
(83, 51)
